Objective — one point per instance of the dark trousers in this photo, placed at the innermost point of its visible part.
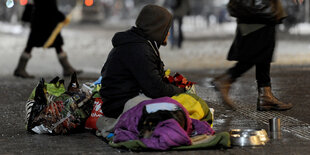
(177, 39)
(262, 72)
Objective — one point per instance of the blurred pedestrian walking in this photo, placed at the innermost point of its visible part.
(179, 8)
(253, 45)
(44, 17)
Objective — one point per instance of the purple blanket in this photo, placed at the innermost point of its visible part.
(167, 134)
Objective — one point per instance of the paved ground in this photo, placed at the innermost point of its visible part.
(290, 84)
(200, 60)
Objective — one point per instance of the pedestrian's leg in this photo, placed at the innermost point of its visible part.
(239, 69)
(68, 70)
(20, 70)
(263, 75)
(172, 34)
(180, 32)
(266, 100)
(223, 82)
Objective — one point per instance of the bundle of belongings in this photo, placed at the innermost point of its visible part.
(162, 124)
(53, 109)
(180, 122)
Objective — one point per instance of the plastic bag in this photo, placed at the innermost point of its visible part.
(51, 111)
(95, 114)
(196, 106)
(36, 103)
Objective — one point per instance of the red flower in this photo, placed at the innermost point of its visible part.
(178, 80)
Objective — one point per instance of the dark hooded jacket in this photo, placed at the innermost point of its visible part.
(44, 19)
(134, 65)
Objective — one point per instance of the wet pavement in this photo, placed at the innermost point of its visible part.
(290, 84)
(200, 60)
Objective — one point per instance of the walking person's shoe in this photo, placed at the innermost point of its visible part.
(20, 70)
(267, 101)
(68, 70)
(222, 84)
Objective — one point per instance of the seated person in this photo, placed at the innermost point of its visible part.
(134, 65)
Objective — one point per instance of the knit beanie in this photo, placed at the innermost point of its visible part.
(155, 22)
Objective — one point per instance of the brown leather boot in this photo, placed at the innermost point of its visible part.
(20, 70)
(222, 84)
(266, 101)
(68, 70)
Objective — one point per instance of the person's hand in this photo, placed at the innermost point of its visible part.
(298, 1)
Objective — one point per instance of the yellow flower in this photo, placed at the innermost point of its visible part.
(167, 73)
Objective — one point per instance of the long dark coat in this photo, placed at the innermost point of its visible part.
(256, 47)
(132, 67)
(45, 18)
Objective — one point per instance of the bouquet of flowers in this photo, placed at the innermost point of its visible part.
(180, 81)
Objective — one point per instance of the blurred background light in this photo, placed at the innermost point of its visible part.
(9, 3)
(23, 2)
(89, 2)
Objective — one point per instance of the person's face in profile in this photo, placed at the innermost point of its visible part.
(166, 39)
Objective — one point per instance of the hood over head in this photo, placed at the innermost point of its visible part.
(155, 22)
